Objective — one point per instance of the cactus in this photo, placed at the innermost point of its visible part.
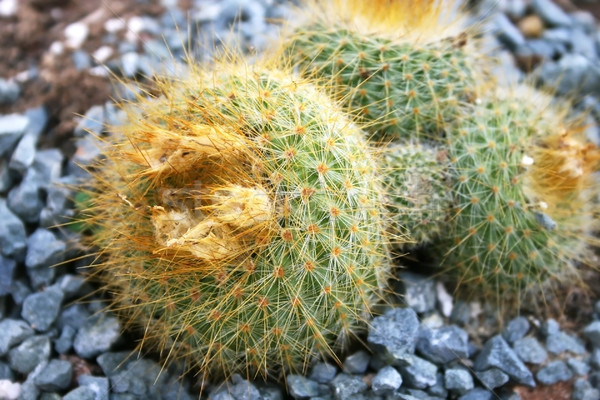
(418, 190)
(523, 193)
(239, 222)
(400, 67)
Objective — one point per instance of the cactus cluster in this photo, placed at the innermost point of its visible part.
(242, 217)
(238, 216)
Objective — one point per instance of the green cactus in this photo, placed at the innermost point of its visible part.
(395, 73)
(523, 191)
(239, 222)
(418, 190)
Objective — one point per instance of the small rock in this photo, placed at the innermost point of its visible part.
(530, 350)
(497, 353)
(507, 33)
(98, 384)
(65, 342)
(575, 73)
(41, 309)
(92, 122)
(492, 378)
(583, 44)
(81, 60)
(458, 380)
(418, 373)
(584, 20)
(445, 300)
(555, 371)
(71, 285)
(419, 292)
(444, 344)
(323, 372)
(386, 381)
(592, 333)
(6, 372)
(7, 274)
(583, 390)
(552, 14)
(396, 331)
(9, 91)
(97, 335)
(44, 249)
(56, 375)
(357, 363)
(14, 331)
(12, 233)
(59, 205)
(301, 387)
(81, 393)
(29, 354)
(578, 367)
(12, 127)
(243, 389)
(6, 177)
(477, 394)
(75, 34)
(9, 390)
(74, 316)
(515, 9)
(25, 200)
(516, 329)
(560, 342)
(438, 389)
(344, 386)
(531, 26)
(130, 64)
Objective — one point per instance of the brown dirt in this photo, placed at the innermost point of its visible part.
(558, 391)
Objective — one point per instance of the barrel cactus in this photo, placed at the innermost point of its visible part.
(403, 68)
(239, 221)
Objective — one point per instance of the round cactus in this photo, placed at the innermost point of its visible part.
(399, 66)
(417, 189)
(523, 190)
(239, 222)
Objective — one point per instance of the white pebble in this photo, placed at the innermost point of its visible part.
(8, 8)
(9, 390)
(102, 54)
(76, 34)
(136, 24)
(526, 160)
(57, 48)
(114, 25)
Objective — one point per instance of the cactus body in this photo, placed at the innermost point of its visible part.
(401, 82)
(240, 222)
(513, 234)
(418, 190)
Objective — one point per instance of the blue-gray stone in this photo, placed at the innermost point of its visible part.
(584, 20)
(71, 285)
(418, 373)
(59, 206)
(492, 378)
(583, 44)
(554, 371)
(31, 352)
(477, 394)
(6, 177)
(56, 375)
(24, 154)
(592, 333)
(12, 233)
(92, 122)
(550, 13)
(540, 48)
(14, 331)
(243, 389)
(9, 91)
(44, 249)
(7, 274)
(25, 200)
(344, 386)
(530, 350)
(560, 342)
(48, 166)
(458, 380)
(74, 316)
(594, 359)
(497, 353)
(20, 291)
(130, 64)
(126, 382)
(438, 390)
(6, 372)
(267, 392)
(12, 127)
(81, 60)
(357, 363)
(461, 313)
(222, 394)
(419, 292)
(575, 73)
(97, 335)
(323, 372)
(583, 390)
(444, 344)
(29, 391)
(41, 309)
(81, 393)
(578, 367)
(88, 150)
(64, 343)
(395, 332)
(557, 35)
(301, 387)
(387, 380)
(508, 33)
(50, 396)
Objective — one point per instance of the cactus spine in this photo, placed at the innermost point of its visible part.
(239, 221)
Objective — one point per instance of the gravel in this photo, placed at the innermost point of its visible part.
(497, 353)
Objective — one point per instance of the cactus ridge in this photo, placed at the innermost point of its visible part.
(239, 222)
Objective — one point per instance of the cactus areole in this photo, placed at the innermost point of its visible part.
(239, 222)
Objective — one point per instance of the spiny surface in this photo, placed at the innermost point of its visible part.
(401, 81)
(239, 223)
